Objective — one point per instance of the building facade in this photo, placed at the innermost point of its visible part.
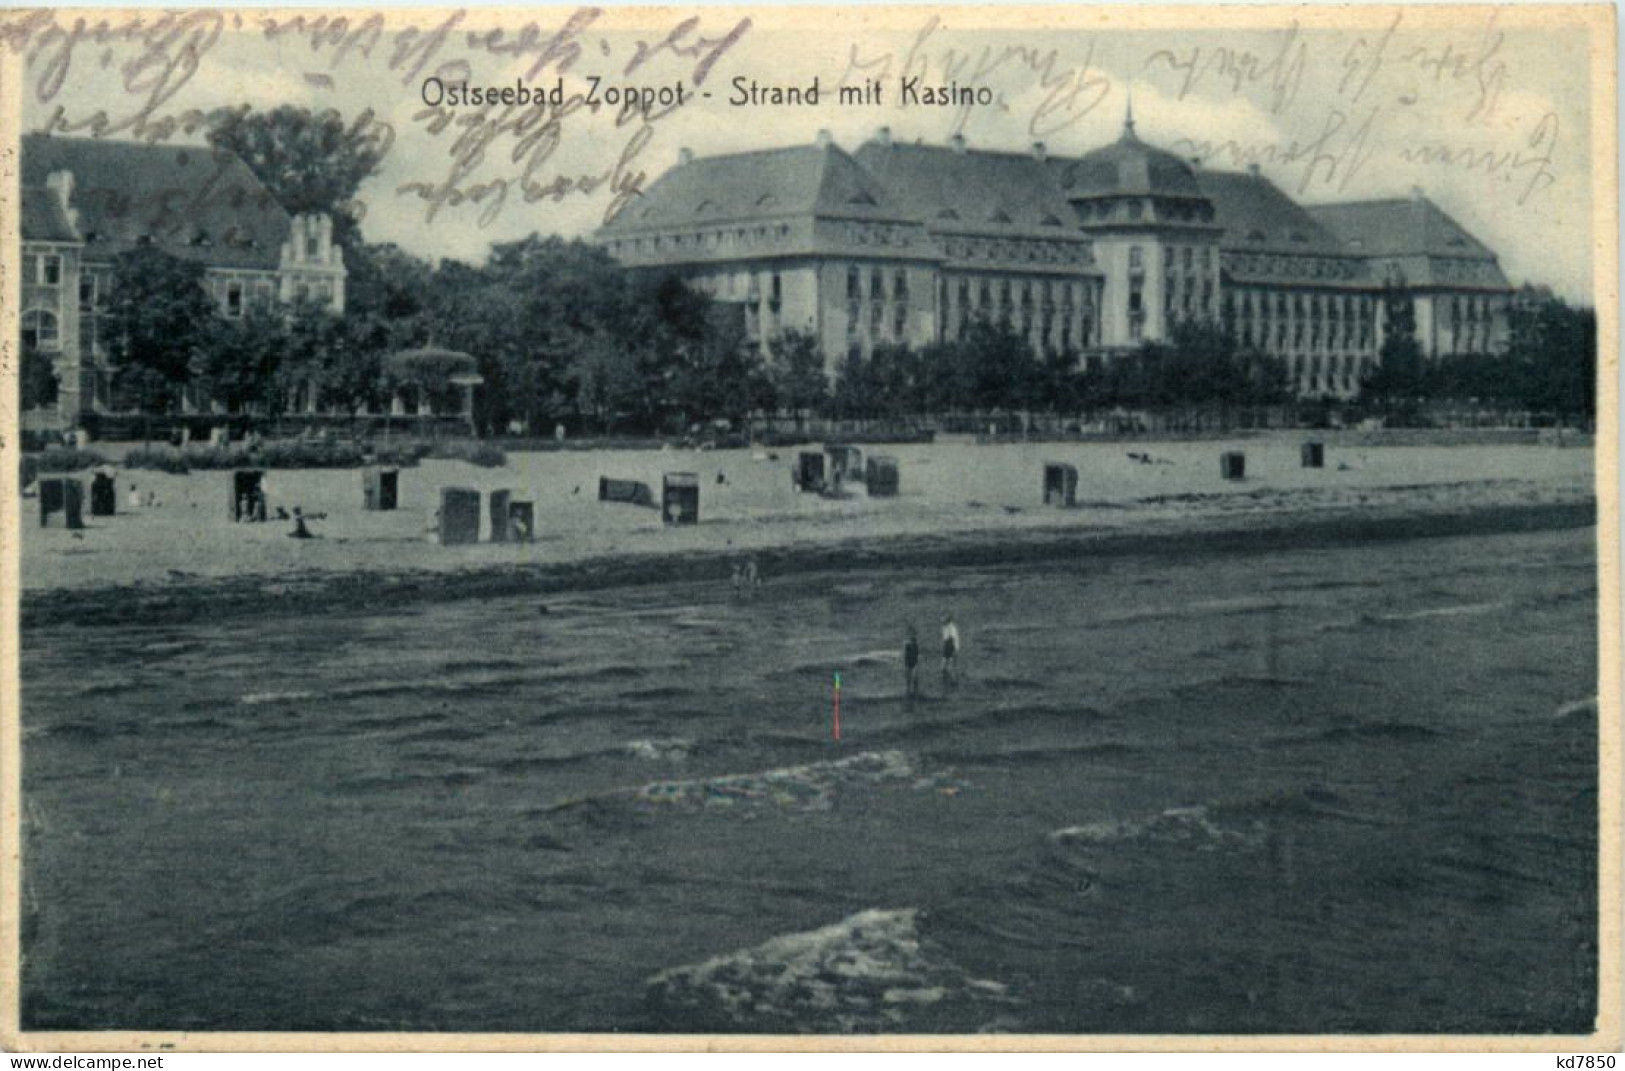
(86, 201)
(1098, 254)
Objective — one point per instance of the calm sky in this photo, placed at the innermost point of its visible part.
(1488, 115)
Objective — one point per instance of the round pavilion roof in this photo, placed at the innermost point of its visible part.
(1129, 166)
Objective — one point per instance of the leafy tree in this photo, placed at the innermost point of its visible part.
(799, 380)
(310, 161)
(1554, 347)
(1399, 379)
(239, 360)
(159, 318)
(38, 379)
(609, 380)
(855, 388)
(324, 361)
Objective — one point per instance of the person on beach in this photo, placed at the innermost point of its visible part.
(753, 578)
(911, 664)
(300, 531)
(950, 650)
(738, 579)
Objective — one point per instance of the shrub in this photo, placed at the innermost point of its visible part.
(399, 454)
(307, 454)
(69, 459)
(214, 458)
(483, 454)
(161, 458)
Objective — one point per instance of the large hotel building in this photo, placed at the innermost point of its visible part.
(906, 243)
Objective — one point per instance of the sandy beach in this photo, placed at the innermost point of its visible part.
(954, 497)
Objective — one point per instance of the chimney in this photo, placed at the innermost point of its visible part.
(1416, 194)
(61, 183)
(1196, 162)
(1252, 169)
(824, 140)
(685, 155)
(1040, 153)
(883, 135)
(958, 143)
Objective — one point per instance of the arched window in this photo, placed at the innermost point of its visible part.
(40, 330)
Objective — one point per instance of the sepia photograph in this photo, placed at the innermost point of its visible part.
(670, 526)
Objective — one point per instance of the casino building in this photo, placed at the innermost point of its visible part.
(86, 201)
(1096, 254)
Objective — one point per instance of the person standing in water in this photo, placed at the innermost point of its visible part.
(950, 650)
(911, 664)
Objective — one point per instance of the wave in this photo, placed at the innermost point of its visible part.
(870, 973)
(254, 699)
(813, 786)
(1461, 610)
(1578, 710)
(1016, 756)
(1401, 732)
(1193, 827)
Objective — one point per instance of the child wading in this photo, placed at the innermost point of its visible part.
(950, 651)
(911, 664)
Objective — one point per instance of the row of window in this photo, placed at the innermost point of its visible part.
(1473, 309)
(1246, 305)
(1276, 337)
(877, 284)
(1135, 208)
(1292, 266)
(1050, 332)
(722, 238)
(1014, 250)
(980, 292)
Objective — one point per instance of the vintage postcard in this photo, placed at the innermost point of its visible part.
(986, 527)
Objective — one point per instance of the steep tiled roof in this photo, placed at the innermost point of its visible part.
(802, 180)
(1398, 227)
(1433, 246)
(1257, 216)
(42, 217)
(967, 190)
(194, 202)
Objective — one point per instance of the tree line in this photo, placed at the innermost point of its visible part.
(1549, 365)
(562, 333)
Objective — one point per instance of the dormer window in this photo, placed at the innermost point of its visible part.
(947, 213)
(1255, 235)
(703, 207)
(313, 247)
(1297, 236)
(999, 216)
(200, 238)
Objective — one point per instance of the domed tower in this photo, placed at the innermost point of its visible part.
(1154, 237)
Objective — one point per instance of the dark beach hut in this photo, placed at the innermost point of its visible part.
(680, 498)
(1060, 484)
(882, 477)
